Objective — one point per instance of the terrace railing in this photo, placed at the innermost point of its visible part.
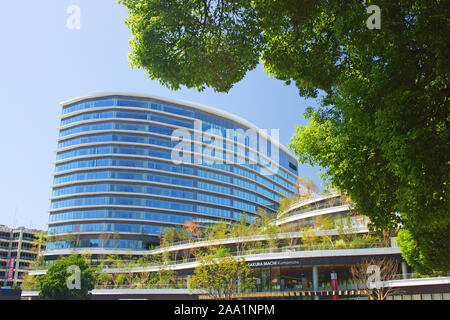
(125, 265)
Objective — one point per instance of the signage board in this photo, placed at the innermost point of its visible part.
(273, 263)
(11, 268)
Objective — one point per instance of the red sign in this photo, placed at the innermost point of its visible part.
(11, 268)
(334, 284)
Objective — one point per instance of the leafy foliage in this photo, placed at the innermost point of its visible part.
(222, 276)
(193, 43)
(412, 253)
(381, 132)
(53, 285)
(29, 283)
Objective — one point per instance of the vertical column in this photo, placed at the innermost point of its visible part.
(239, 285)
(404, 270)
(19, 251)
(315, 280)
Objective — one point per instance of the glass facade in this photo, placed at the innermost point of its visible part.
(115, 171)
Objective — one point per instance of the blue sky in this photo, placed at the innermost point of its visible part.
(42, 63)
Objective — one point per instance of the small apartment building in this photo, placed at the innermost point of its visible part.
(16, 254)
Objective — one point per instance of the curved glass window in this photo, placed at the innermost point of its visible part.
(213, 187)
(131, 151)
(214, 199)
(162, 154)
(118, 125)
(120, 162)
(129, 115)
(126, 175)
(91, 104)
(87, 116)
(105, 227)
(176, 168)
(142, 151)
(148, 203)
(167, 192)
(96, 243)
(119, 138)
(209, 121)
(121, 200)
(123, 214)
(115, 187)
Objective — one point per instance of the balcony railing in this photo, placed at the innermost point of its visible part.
(111, 264)
(310, 205)
(343, 285)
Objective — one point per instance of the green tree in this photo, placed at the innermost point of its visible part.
(285, 203)
(197, 44)
(118, 279)
(165, 276)
(412, 253)
(222, 276)
(30, 283)
(54, 284)
(104, 279)
(309, 237)
(39, 242)
(381, 131)
(168, 239)
(217, 231)
(267, 226)
(243, 229)
(325, 224)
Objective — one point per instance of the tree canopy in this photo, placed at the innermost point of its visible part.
(54, 284)
(222, 276)
(381, 128)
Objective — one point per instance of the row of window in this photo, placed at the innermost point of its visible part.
(147, 151)
(106, 174)
(121, 162)
(96, 243)
(144, 202)
(136, 103)
(226, 155)
(119, 125)
(209, 121)
(121, 114)
(119, 138)
(105, 227)
(110, 174)
(162, 191)
(114, 150)
(227, 147)
(127, 175)
(116, 187)
(121, 214)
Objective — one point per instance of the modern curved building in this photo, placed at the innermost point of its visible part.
(307, 214)
(128, 165)
(289, 269)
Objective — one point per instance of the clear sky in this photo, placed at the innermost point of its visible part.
(42, 63)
